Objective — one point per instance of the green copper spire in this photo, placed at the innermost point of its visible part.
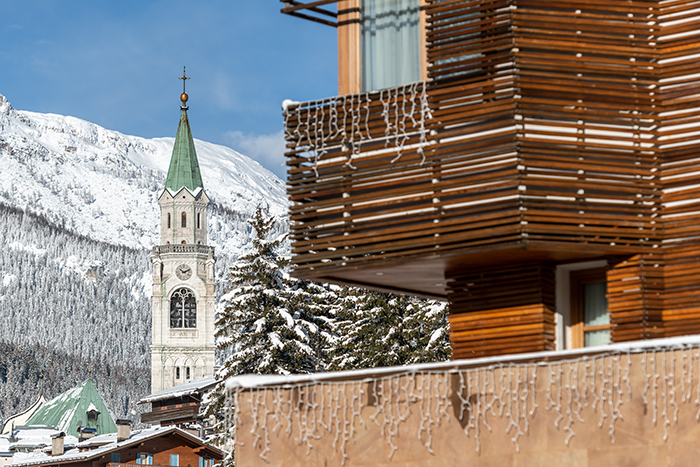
(184, 168)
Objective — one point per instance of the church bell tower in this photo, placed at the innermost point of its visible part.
(183, 271)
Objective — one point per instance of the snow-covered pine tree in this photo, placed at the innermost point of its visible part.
(270, 323)
(381, 329)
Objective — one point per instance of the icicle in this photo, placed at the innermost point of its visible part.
(672, 387)
(664, 394)
(533, 385)
(425, 115)
(385, 115)
(569, 402)
(654, 387)
(603, 390)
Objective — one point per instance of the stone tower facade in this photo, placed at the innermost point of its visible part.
(183, 272)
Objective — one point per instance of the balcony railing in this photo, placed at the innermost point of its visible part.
(184, 248)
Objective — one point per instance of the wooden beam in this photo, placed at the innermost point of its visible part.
(309, 6)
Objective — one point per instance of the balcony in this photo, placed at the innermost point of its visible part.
(397, 187)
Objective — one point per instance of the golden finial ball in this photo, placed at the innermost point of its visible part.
(184, 97)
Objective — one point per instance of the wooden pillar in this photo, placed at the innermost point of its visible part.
(502, 310)
(349, 47)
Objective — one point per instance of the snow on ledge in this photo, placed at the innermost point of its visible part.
(541, 358)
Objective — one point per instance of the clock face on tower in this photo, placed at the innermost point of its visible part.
(183, 272)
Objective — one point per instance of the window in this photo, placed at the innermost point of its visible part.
(183, 309)
(199, 220)
(187, 372)
(206, 462)
(184, 220)
(177, 372)
(174, 459)
(590, 322)
(390, 31)
(92, 415)
(168, 220)
(115, 457)
(144, 458)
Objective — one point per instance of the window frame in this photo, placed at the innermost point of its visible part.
(577, 279)
(188, 310)
(350, 45)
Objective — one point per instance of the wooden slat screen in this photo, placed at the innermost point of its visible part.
(679, 140)
(635, 298)
(566, 125)
(502, 310)
(531, 140)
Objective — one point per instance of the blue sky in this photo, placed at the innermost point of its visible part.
(116, 63)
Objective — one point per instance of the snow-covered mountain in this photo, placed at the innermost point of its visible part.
(104, 184)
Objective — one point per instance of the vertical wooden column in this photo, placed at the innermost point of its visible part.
(349, 48)
(635, 298)
(423, 41)
(502, 310)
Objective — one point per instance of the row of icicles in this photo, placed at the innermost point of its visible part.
(344, 122)
(330, 412)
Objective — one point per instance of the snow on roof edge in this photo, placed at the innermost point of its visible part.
(137, 438)
(185, 389)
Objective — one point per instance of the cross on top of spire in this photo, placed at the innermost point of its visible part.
(184, 96)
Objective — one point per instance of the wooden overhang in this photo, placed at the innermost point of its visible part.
(316, 11)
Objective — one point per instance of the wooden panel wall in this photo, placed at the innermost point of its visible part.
(679, 95)
(635, 298)
(586, 79)
(502, 310)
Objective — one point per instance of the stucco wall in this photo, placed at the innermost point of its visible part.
(441, 416)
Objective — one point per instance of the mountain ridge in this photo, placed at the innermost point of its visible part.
(104, 184)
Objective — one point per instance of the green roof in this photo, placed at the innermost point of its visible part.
(65, 411)
(184, 168)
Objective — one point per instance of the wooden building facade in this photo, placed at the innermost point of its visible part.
(541, 174)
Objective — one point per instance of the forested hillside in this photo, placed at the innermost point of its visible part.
(78, 304)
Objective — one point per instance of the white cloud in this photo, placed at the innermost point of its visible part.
(223, 92)
(266, 149)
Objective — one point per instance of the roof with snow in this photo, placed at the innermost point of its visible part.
(66, 410)
(136, 439)
(22, 417)
(185, 389)
(184, 168)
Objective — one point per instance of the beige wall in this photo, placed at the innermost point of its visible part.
(427, 430)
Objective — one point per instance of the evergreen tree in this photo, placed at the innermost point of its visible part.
(381, 329)
(265, 325)
(270, 324)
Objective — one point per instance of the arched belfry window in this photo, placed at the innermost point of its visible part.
(184, 220)
(183, 309)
